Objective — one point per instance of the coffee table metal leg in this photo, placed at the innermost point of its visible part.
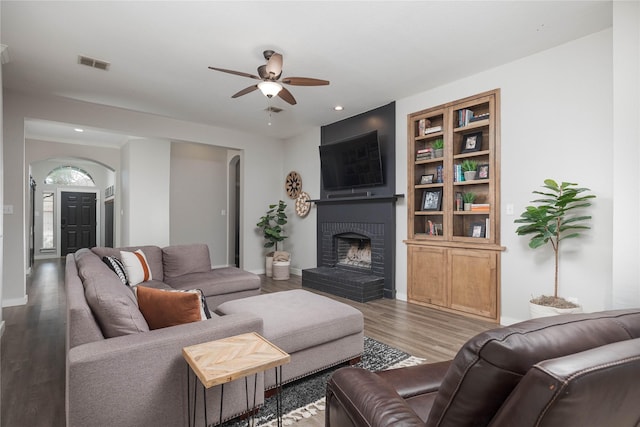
(279, 395)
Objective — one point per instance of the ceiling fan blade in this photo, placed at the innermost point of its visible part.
(274, 65)
(286, 95)
(304, 81)
(237, 73)
(245, 91)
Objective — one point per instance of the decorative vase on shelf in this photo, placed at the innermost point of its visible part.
(438, 152)
(470, 175)
(467, 206)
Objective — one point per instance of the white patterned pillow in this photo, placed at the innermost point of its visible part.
(116, 266)
(136, 266)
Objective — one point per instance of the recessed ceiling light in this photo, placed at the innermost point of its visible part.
(338, 108)
(78, 130)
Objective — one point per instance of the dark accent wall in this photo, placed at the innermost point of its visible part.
(382, 119)
(378, 209)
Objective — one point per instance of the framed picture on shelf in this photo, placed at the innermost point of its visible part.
(426, 179)
(483, 171)
(471, 142)
(432, 200)
(477, 229)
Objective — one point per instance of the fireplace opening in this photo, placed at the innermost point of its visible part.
(353, 250)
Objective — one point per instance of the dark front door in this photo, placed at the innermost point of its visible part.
(77, 221)
(108, 223)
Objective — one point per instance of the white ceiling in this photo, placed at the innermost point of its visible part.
(372, 52)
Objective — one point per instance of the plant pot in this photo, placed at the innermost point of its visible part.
(268, 264)
(470, 175)
(536, 310)
(438, 152)
(281, 270)
(467, 206)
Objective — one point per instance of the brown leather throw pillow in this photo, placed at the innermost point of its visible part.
(162, 308)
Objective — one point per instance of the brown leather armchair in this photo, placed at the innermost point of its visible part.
(570, 371)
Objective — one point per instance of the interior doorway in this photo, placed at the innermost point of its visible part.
(78, 222)
(234, 211)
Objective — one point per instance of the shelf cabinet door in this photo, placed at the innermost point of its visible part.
(474, 281)
(427, 278)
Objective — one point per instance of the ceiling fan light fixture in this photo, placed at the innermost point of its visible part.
(269, 89)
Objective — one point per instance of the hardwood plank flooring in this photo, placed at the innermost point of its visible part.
(32, 350)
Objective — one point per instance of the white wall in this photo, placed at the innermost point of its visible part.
(198, 197)
(262, 169)
(147, 211)
(1, 197)
(626, 154)
(557, 122)
(301, 155)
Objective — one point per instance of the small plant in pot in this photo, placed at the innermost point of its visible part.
(438, 147)
(555, 218)
(467, 200)
(272, 226)
(469, 168)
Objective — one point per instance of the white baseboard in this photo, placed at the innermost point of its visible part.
(401, 296)
(296, 271)
(13, 302)
(506, 321)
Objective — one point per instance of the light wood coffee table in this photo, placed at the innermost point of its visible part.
(228, 359)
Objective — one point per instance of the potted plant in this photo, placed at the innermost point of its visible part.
(438, 148)
(467, 200)
(469, 168)
(553, 220)
(271, 224)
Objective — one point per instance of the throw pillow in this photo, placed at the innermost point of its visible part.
(163, 308)
(136, 266)
(116, 266)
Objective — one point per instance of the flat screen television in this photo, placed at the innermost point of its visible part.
(351, 163)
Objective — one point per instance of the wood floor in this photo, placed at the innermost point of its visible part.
(33, 344)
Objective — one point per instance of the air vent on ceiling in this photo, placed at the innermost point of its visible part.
(273, 109)
(92, 62)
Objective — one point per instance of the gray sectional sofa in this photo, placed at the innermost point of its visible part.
(120, 373)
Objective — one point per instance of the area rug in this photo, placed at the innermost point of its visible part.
(305, 398)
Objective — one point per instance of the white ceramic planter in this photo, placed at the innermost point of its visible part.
(268, 265)
(536, 310)
(469, 175)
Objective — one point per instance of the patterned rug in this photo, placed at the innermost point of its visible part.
(305, 398)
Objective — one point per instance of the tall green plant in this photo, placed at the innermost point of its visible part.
(553, 219)
(272, 225)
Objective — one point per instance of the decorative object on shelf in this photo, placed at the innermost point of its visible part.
(477, 229)
(459, 201)
(467, 200)
(423, 124)
(483, 172)
(293, 184)
(432, 200)
(553, 220)
(471, 142)
(433, 229)
(272, 226)
(438, 148)
(302, 204)
(469, 168)
(439, 176)
(426, 179)
(424, 154)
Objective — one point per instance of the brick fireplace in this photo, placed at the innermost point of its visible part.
(356, 241)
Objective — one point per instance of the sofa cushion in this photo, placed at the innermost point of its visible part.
(152, 253)
(163, 308)
(117, 267)
(137, 266)
(114, 305)
(178, 260)
(218, 281)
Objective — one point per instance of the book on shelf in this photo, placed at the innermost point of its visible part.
(464, 116)
(480, 207)
(458, 176)
(479, 117)
(432, 129)
(487, 228)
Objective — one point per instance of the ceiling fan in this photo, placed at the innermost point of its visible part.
(269, 73)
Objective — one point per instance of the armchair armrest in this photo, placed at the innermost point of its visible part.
(415, 380)
(357, 397)
(141, 379)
